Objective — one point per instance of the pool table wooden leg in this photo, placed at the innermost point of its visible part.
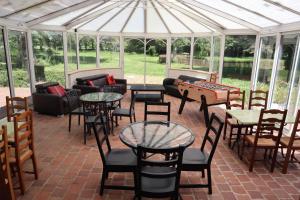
(183, 100)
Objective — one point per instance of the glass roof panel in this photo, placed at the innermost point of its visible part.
(292, 4)
(136, 22)
(154, 23)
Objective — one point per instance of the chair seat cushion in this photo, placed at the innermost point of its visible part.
(193, 156)
(121, 157)
(262, 142)
(122, 112)
(285, 142)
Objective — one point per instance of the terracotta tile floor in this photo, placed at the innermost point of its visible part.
(70, 170)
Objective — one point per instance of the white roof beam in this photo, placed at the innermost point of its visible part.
(282, 6)
(196, 18)
(130, 15)
(253, 12)
(61, 12)
(145, 16)
(163, 21)
(93, 15)
(121, 10)
(222, 14)
(175, 17)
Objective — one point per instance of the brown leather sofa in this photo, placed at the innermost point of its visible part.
(101, 84)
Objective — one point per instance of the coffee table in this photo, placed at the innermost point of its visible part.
(148, 96)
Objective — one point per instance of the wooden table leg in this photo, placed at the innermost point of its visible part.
(204, 108)
(183, 100)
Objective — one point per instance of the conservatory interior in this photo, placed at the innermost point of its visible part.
(131, 99)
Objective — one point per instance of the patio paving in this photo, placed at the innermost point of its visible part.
(68, 169)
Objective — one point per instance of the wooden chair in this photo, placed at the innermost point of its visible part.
(158, 178)
(258, 99)
(162, 105)
(113, 160)
(291, 144)
(24, 146)
(200, 160)
(235, 100)
(15, 105)
(74, 106)
(6, 191)
(267, 136)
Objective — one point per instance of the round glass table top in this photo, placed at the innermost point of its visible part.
(101, 97)
(156, 134)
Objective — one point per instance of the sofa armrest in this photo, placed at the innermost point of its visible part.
(121, 81)
(48, 104)
(168, 81)
(86, 89)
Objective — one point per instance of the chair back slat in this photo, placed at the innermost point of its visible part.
(15, 105)
(162, 106)
(6, 186)
(212, 135)
(258, 99)
(235, 99)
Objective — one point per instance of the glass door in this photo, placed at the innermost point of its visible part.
(4, 82)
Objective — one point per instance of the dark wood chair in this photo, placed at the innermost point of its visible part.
(235, 100)
(15, 105)
(291, 143)
(6, 191)
(157, 177)
(161, 105)
(258, 99)
(23, 146)
(195, 159)
(267, 136)
(113, 160)
(74, 106)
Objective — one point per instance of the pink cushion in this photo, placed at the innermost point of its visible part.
(111, 80)
(90, 83)
(57, 90)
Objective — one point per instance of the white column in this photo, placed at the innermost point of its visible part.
(274, 68)
(8, 61)
(30, 61)
(121, 56)
(255, 62)
(77, 49)
(212, 52)
(192, 52)
(168, 55)
(222, 50)
(66, 70)
(97, 51)
(145, 64)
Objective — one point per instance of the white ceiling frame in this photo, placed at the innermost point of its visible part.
(120, 11)
(145, 16)
(253, 12)
(196, 18)
(295, 26)
(163, 21)
(188, 28)
(222, 14)
(130, 15)
(93, 15)
(282, 6)
(60, 12)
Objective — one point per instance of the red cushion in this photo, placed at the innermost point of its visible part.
(110, 80)
(57, 90)
(90, 83)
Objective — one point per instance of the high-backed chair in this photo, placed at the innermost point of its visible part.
(258, 99)
(15, 105)
(267, 136)
(161, 111)
(158, 178)
(6, 191)
(74, 105)
(195, 159)
(291, 143)
(24, 146)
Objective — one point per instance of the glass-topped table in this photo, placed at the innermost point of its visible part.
(135, 89)
(156, 134)
(99, 97)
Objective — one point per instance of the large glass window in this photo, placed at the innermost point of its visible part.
(19, 59)
(48, 56)
(4, 82)
(201, 57)
(109, 52)
(181, 49)
(284, 71)
(87, 51)
(72, 58)
(238, 61)
(265, 64)
(217, 53)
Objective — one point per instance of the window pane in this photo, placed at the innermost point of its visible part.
(284, 72)
(4, 84)
(217, 53)
(267, 48)
(201, 57)
(295, 90)
(238, 61)
(72, 59)
(109, 52)
(19, 59)
(181, 49)
(87, 52)
(48, 56)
